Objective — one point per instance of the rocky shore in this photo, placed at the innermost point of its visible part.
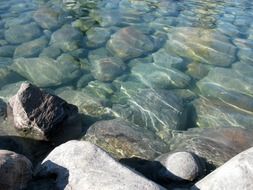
(113, 154)
(126, 94)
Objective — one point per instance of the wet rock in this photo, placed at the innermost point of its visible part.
(88, 105)
(39, 114)
(17, 34)
(67, 38)
(15, 170)
(32, 48)
(129, 43)
(84, 80)
(124, 140)
(7, 51)
(180, 166)
(79, 165)
(45, 72)
(202, 45)
(214, 145)
(159, 111)
(215, 113)
(107, 69)
(97, 36)
(235, 174)
(156, 76)
(47, 18)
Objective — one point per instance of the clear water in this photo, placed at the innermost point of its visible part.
(164, 65)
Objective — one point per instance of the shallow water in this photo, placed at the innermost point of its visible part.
(163, 65)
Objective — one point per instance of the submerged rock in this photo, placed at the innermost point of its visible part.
(67, 38)
(45, 72)
(32, 48)
(7, 50)
(235, 174)
(47, 18)
(180, 166)
(215, 113)
(129, 43)
(15, 170)
(39, 114)
(97, 36)
(159, 111)
(214, 145)
(80, 165)
(202, 45)
(17, 34)
(156, 76)
(124, 140)
(107, 69)
(87, 104)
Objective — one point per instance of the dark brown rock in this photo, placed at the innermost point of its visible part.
(38, 113)
(15, 170)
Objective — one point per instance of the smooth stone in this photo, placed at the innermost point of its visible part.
(159, 111)
(107, 69)
(202, 45)
(67, 38)
(180, 166)
(41, 115)
(214, 145)
(90, 106)
(7, 51)
(156, 76)
(47, 18)
(17, 34)
(15, 170)
(51, 52)
(235, 174)
(80, 164)
(128, 43)
(45, 72)
(123, 139)
(32, 48)
(106, 18)
(216, 113)
(97, 36)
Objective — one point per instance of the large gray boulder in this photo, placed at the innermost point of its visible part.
(82, 165)
(237, 173)
(123, 139)
(40, 114)
(15, 170)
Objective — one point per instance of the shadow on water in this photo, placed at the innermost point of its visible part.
(156, 172)
(34, 150)
(57, 180)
